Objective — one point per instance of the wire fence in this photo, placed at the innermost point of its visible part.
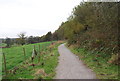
(13, 57)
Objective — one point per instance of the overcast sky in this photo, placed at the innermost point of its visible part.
(35, 17)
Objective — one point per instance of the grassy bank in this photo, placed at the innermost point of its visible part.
(43, 66)
(97, 62)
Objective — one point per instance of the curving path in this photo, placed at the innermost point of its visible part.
(70, 67)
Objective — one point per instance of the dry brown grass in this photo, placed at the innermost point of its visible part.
(39, 72)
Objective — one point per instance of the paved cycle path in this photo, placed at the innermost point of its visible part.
(70, 67)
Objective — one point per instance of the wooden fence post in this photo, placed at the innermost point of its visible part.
(39, 54)
(44, 47)
(24, 53)
(5, 63)
(39, 48)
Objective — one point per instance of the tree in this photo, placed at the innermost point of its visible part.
(8, 42)
(55, 36)
(48, 36)
(36, 39)
(21, 38)
(30, 40)
(42, 38)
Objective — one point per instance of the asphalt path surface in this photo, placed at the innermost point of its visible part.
(70, 67)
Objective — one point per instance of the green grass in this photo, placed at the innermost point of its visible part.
(15, 58)
(0, 63)
(97, 62)
(2, 44)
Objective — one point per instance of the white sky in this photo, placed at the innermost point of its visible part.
(35, 17)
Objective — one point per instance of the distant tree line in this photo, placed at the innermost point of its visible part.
(23, 39)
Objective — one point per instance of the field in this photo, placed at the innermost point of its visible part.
(20, 66)
(97, 62)
(2, 44)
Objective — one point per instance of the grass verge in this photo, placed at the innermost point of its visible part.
(97, 62)
(42, 67)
